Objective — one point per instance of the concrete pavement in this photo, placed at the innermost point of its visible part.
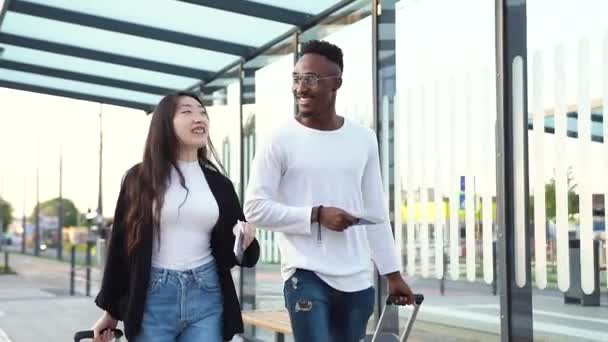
(470, 312)
(35, 306)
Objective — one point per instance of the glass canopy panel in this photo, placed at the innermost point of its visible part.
(77, 87)
(310, 6)
(90, 67)
(186, 18)
(107, 41)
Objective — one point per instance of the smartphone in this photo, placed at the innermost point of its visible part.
(238, 245)
(365, 221)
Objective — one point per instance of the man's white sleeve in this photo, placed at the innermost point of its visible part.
(262, 207)
(380, 236)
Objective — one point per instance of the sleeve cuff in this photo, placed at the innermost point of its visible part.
(309, 218)
(113, 310)
(388, 265)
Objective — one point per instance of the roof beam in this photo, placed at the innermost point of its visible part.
(3, 10)
(314, 20)
(75, 76)
(108, 57)
(75, 95)
(133, 29)
(255, 9)
(211, 89)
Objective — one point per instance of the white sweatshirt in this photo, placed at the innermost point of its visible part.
(299, 168)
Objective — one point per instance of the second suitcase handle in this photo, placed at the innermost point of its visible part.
(392, 300)
(89, 334)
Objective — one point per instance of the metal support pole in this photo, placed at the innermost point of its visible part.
(72, 268)
(442, 281)
(23, 234)
(513, 231)
(37, 215)
(37, 208)
(60, 209)
(23, 219)
(6, 263)
(241, 164)
(383, 95)
(88, 280)
(100, 171)
(494, 283)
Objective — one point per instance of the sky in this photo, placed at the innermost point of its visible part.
(33, 127)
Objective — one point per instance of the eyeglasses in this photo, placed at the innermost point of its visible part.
(308, 80)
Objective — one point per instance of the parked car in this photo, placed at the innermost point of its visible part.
(7, 239)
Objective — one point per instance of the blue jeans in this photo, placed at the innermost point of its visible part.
(321, 313)
(183, 306)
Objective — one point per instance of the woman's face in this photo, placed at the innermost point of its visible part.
(191, 124)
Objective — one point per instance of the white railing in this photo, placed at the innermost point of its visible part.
(444, 132)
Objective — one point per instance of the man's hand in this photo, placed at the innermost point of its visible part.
(336, 218)
(398, 288)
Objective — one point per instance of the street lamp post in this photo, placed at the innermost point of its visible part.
(23, 219)
(90, 217)
(100, 190)
(60, 208)
(37, 213)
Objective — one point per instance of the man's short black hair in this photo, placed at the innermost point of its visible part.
(325, 49)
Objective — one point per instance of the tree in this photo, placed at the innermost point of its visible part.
(51, 207)
(6, 214)
(573, 205)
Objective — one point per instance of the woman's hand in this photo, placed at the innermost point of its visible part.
(247, 230)
(102, 329)
(248, 234)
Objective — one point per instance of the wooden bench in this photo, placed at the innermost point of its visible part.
(273, 320)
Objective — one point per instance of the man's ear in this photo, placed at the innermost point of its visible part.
(338, 83)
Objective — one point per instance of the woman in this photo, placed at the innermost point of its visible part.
(167, 275)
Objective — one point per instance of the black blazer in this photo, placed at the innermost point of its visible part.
(126, 277)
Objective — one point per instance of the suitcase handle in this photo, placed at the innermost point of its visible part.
(89, 334)
(392, 300)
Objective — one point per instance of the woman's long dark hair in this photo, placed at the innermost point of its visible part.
(146, 191)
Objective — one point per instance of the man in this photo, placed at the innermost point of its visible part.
(312, 182)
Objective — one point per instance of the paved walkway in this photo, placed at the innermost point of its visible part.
(469, 311)
(35, 305)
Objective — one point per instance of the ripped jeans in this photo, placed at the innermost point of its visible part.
(321, 313)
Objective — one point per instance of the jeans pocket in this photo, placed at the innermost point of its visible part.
(156, 279)
(154, 285)
(209, 281)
